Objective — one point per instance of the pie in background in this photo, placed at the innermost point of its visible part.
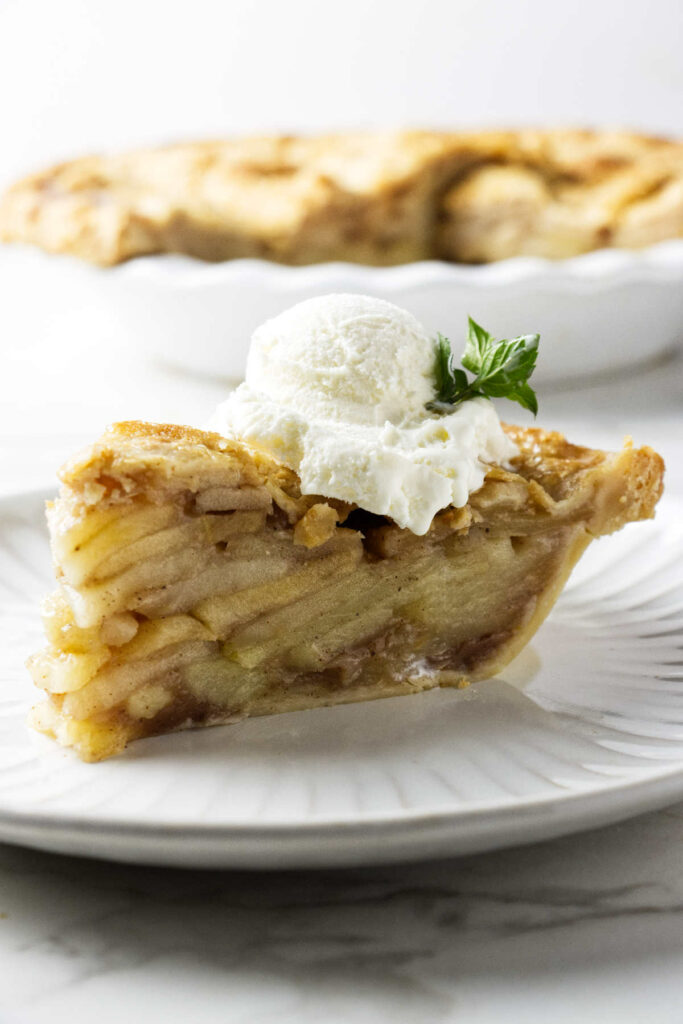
(198, 586)
(377, 199)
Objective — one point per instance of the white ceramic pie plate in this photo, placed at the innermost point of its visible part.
(585, 729)
(600, 312)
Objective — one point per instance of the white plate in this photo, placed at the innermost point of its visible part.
(586, 729)
(604, 311)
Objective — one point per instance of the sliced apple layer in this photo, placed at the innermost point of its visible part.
(198, 586)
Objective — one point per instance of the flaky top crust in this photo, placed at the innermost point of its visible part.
(165, 462)
(379, 199)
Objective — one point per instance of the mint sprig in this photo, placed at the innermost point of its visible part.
(501, 370)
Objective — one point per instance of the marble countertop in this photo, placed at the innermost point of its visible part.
(585, 928)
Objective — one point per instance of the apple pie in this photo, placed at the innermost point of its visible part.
(378, 199)
(198, 586)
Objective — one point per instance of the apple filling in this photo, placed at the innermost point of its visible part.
(198, 586)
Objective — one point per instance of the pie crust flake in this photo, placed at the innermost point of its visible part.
(377, 199)
(198, 586)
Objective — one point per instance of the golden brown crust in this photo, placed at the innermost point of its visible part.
(134, 457)
(378, 199)
(141, 456)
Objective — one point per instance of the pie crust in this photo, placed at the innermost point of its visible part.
(197, 586)
(378, 199)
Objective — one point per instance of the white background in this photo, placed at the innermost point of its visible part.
(79, 75)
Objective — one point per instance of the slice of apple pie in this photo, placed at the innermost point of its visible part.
(197, 585)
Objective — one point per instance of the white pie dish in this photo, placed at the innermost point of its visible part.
(601, 312)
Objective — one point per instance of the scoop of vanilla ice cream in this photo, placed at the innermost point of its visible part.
(337, 388)
(347, 358)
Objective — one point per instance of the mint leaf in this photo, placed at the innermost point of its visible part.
(443, 370)
(526, 396)
(478, 344)
(501, 370)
